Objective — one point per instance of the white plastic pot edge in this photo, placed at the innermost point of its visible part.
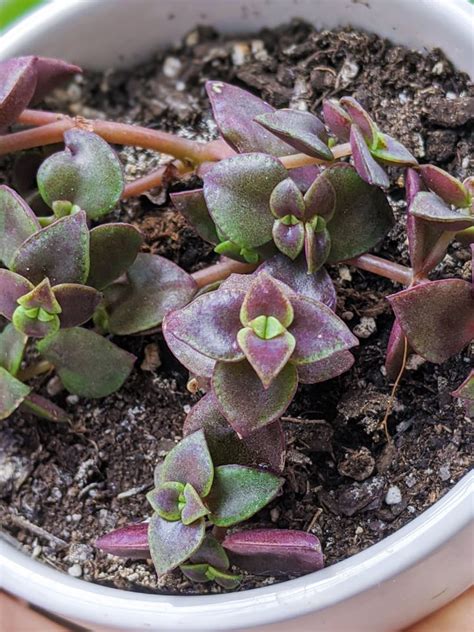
(120, 609)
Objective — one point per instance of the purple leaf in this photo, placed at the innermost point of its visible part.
(275, 551)
(267, 357)
(12, 393)
(209, 324)
(326, 369)
(172, 543)
(239, 492)
(12, 287)
(430, 207)
(51, 73)
(317, 286)
(193, 206)
(317, 245)
(78, 303)
(465, 392)
(42, 407)
(59, 251)
(194, 507)
(318, 331)
(154, 286)
(237, 192)
(234, 111)
(367, 167)
(289, 239)
(287, 199)
(391, 151)
(12, 348)
(42, 296)
(130, 541)
(87, 173)
(113, 249)
(362, 119)
(190, 462)
(263, 447)
(17, 223)
(211, 552)
(196, 363)
(362, 216)
(243, 400)
(165, 500)
(18, 80)
(395, 351)
(449, 189)
(266, 297)
(437, 317)
(88, 364)
(320, 199)
(304, 176)
(302, 130)
(337, 119)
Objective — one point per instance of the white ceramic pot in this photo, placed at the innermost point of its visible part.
(393, 583)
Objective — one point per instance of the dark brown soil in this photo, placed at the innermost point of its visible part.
(64, 485)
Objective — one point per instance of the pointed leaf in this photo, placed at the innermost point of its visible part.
(172, 543)
(302, 130)
(51, 73)
(196, 363)
(78, 303)
(234, 111)
(275, 551)
(337, 119)
(263, 447)
(193, 206)
(12, 348)
(465, 392)
(42, 407)
(194, 507)
(41, 296)
(318, 332)
(165, 500)
(88, 364)
(367, 167)
(35, 323)
(267, 357)
(326, 369)
(154, 287)
(391, 151)
(266, 297)
(209, 324)
(320, 199)
(304, 176)
(362, 119)
(190, 462)
(395, 351)
(317, 286)
(87, 173)
(430, 207)
(211, 552)
(289, 239)
(17, 223)
(447, 307)
(362, 216)
(287, 199)
(237, 192)
(113, 249)
(449, 189)
(244, 401)
(60, 252)
(130, 541)
(239, 492)
(17, 85)
(12, 393)
(12, 287)
(317, 246)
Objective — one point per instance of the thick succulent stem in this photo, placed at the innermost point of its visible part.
(302, 160)
(220, 271)
(388, 269)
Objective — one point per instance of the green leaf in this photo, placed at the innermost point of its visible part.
(12, 393)
(237, 192)
(194, 208)
(193, 508)
(172, 543)
(17, 223)
(113, 249)
(12, 348)
(87, 173)
(362, 216)
(88, 364)
(239, 492)
(165, 500)
(42, 407)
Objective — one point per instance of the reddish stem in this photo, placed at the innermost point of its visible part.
(154, 179)
(220, 271)
(388, 269)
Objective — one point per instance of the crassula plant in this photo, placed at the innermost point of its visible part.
(283, 195)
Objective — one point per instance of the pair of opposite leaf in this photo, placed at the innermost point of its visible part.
(436, 317)
(251, 206)
(191, 494)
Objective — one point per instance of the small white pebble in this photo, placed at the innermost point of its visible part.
(366, 327)
(411, 509)
(345, 273)
(72, 400)
(438, 68)
(359, 530)
(451, 96)
(414, 362)
(393, 496)
(274, 514)
(403, 98)
(349, 71)
(240, 53)
(444, 473)
(75, 570)
(187, 408)
(171, 67)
